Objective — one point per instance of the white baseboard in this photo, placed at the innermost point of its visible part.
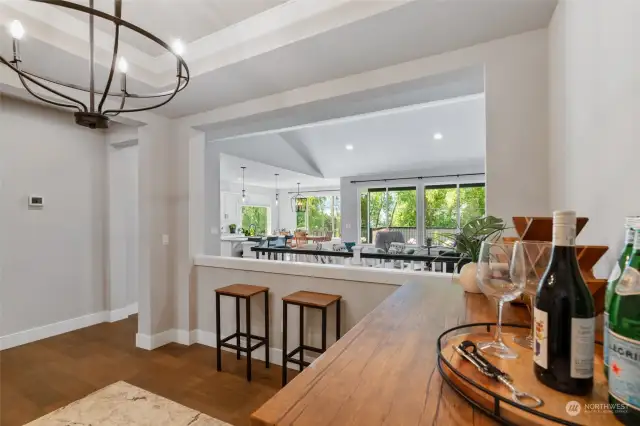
(50, 330)
(122, 313)
(145, 341)
(185, 337)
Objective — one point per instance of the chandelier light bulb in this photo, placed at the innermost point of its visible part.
(16, 29)
(178, 47)
(123, 66)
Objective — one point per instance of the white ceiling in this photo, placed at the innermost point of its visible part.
(187, 20)
(274, 51)
(389, 141)
(263, 175)
(418, 29)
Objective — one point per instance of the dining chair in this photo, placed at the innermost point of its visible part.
(301, 238)
(328, 236)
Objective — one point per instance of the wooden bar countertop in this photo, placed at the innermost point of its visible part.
(383, 371)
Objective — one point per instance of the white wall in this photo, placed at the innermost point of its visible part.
(288, 218)
(54, 258)
(594, 116)
(350, 198)
(123, 225)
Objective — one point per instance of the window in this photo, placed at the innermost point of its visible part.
(388, 208)
(450, 207)
(446, 208)
(322, 216)
(441, 207)
(258, 216)
(472, 199)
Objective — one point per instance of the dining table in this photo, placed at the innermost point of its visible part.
(315, 238)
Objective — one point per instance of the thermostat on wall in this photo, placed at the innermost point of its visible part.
(35, 201)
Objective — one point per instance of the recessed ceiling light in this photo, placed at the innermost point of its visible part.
(437, 136)
(349, 147)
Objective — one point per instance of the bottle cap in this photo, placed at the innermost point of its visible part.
(564, 217)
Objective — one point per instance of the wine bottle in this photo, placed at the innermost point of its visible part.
(564, 316)
(630, 224)
(624, 342)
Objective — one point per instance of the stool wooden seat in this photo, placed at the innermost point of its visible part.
(313, 300)
(242, 291)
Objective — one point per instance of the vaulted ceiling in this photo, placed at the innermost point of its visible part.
(439, 134)
(239, 50)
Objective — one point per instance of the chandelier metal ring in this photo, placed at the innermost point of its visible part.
(90, 116)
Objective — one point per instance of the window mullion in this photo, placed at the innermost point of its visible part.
(458, 202)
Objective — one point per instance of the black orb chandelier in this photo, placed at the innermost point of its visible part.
(96, 115)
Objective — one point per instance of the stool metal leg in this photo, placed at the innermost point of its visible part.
(248, 309)
(338, 320)
(238, 326)
(266, 328)
(301, 336)
(218, 336)
(324, 329)
(284, 343)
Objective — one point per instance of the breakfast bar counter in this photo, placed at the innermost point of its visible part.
(383, 371)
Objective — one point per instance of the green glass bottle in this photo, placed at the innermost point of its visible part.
(624, 342)
(630, 224)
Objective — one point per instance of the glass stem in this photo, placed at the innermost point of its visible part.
(498, 336)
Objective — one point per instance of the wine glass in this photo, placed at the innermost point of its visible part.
(501, 276)
(537, 255)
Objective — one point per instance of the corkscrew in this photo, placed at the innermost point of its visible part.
(468, 351)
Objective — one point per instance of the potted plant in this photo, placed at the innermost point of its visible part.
(232, 228)
(467, 242)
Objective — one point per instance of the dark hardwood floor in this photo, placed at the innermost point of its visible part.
(40, 377)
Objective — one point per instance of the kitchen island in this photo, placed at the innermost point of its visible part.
(383, 371)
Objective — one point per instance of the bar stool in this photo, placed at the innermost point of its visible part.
(313, 300)
(243, 291)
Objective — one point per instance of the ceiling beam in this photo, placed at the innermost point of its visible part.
(274, 28)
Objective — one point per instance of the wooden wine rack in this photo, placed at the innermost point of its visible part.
(541, 229)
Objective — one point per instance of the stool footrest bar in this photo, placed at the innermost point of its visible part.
(234, 335)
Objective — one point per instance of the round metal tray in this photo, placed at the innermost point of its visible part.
(498, 400)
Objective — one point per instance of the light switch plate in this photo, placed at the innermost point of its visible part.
(165, 239)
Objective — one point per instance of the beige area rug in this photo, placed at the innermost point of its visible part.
(122, 404)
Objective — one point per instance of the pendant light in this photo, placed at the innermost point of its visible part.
(277, 193)
(244, 193)
(96, 113)
(298, 202)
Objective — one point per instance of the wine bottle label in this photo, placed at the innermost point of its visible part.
(629, 284)
(605, 346)
(541, 323)
(624, 369)
(583, 332)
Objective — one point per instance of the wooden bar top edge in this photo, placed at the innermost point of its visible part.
(383, 371)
